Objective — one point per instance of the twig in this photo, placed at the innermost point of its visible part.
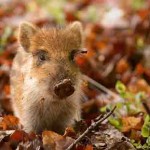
(102, 88)
(146, 107)
(91, 127)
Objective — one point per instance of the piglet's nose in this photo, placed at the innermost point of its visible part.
(64, 88)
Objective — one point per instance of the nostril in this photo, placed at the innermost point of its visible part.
(64, 88)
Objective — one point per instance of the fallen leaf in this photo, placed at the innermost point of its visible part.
(9, 122)
(129, 123)
(69, 132)
(19, 135)
(52, 140)
(83, 147)
(122, 66)
(89, 147)
(5, 146)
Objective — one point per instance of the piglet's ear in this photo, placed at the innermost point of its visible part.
(26, 32)
(76, 26)
(76, 29)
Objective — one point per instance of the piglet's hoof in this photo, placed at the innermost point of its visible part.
(64, 88)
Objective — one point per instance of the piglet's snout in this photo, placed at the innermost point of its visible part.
(64, 88)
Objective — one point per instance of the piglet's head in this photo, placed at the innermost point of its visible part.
(52, 52)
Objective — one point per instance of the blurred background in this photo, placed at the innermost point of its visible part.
(117, 37)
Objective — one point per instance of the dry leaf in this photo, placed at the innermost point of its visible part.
(89, 147)
(69, 132)
(131, 123)
(9, 122)
(52, 140)
(19, 135)
(122, 66)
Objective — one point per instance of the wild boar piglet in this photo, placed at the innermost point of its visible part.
(45, 82)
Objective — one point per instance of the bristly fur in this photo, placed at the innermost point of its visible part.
(33, 98)
(58, 27)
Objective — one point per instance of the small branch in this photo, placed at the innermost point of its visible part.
(146, 107)
(102, 88)
(91, 127)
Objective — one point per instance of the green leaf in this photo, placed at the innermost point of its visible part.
(140, 96)
(120, 87)
(145, 131)
(140, 43)
(138, 4)
(4, 38)
(103, 109)
(148, 141)
(146, 127)
(54, 9)
(115, 122)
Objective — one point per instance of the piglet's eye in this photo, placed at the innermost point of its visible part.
(72, 55)
(41, 57)
(75, 52)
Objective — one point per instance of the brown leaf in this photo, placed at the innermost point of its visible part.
(69, 132)
(143, 13)
(83, 147)
(9, 122)
(139, 69)
(7, 89)
(19, 135)
(89, 147)
(131, 123)
(52, 140)
(122, 66)
(5, 146)
(136, 135)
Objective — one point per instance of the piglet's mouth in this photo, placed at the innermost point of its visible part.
(64, 88)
